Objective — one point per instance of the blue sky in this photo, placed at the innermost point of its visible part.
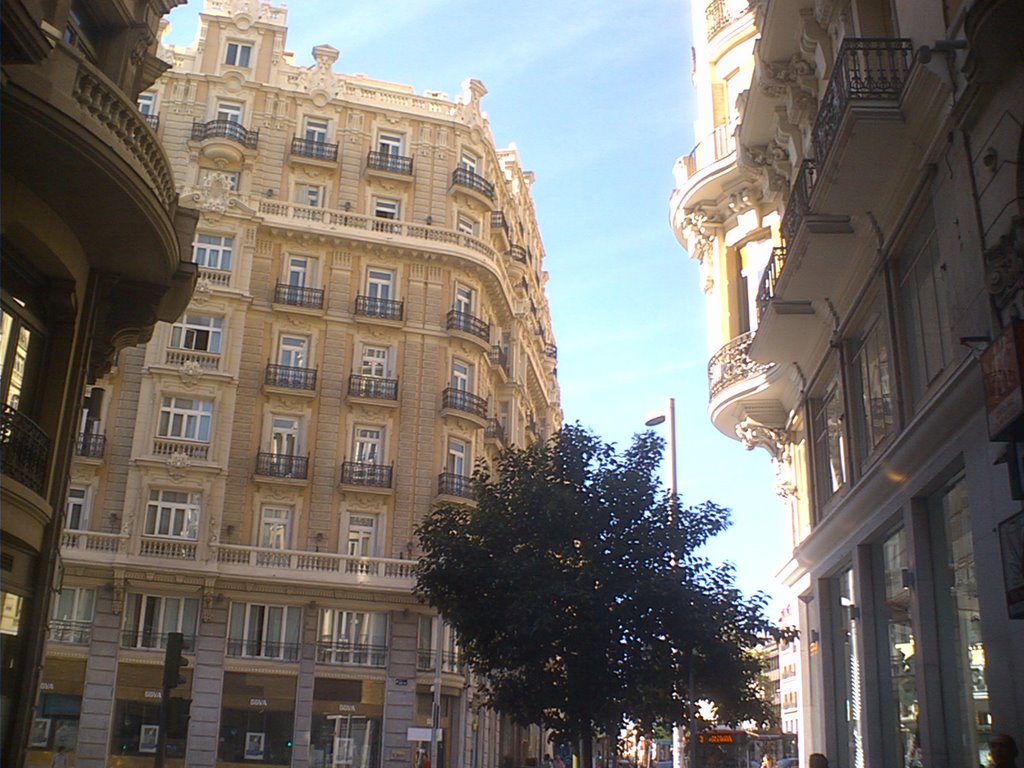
(598, 100)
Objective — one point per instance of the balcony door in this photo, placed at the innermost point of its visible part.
(285, 436)
(293, 351)
(379, 284)
(301, 272)
(367, 445)
(374, 362)
(362, 536)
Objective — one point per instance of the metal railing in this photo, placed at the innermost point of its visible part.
(225, 129)
(498, 356)
(769, 279)
(366, 473)
(24, 449)
(461, 400)
(299, 296)
(355, 654)
(464, 177)
(318, 150)
(386, 309)
(799, 203)
(495, 431)
(500, 221)
(263, 649)
(450, 662)
(451, 484)
(67, 631)
(152, 120)
(290, 377)
(866, 69)
(373, 387)
(385, 161)
(517, 253)
(464, 321)
(721, 142)
(90, 445)
(732, 364)
(155, 641)
(282, 465)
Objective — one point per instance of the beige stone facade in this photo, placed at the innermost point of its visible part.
(857, 218)
(370, 320)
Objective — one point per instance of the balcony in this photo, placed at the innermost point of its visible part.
(225, 129)
(461, 400)
(354, 654)
(372, 387)
(451, 484)
(499, 223)
(366, 474)
(799, 203)
(867, 72)
(168, 549)
(205, 361)
(496, 432)
(299, 296)
(467, 323)
(769, 280)
(299, 567)
(284, 465)
(24, 449)
(463, 177)
(263, 649)
(450, 662)
(289, 377)
(152, 120)
(517, 253)
(220, 278)
(384, 309)
(717, 145)
(90, 445)
(72, 632)
(732, 364)
(315, 150)
(389, 163)
(498, 357)
(154, 641)
(169, 448)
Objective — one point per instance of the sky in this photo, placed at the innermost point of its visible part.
(596, 96)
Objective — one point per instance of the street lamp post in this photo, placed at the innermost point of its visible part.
(673, 500)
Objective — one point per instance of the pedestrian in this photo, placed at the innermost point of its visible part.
(1002, 751)
(60, 758)
(817, 760)
(768, 761)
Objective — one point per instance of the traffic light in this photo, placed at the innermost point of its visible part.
(173, 661)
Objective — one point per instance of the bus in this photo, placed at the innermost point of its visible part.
(739, 748)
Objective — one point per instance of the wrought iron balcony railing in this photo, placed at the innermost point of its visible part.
(90, 445)
(225, 129)
(866, 69)
(299, 296)
(290, 377)
(356, 654)
(318, 150)
(450, 662)
(451, 484)
(769, 279)
(263, 649)
(464, 177)
(799, 203)
(500, 221)
(373, 387)
(461, 400)
(386, 309)
(464, 321)
(384, 161)
(24, 449)
(282, 465)
(498, 356)
(732, 364)
(366, 473)
(156, 641)
(67, 631)
(495, 431)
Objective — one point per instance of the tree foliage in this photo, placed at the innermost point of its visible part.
(578, 591)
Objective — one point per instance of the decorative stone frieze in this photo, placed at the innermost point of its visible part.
(698, 232)
(1004, 268)
(770, 164)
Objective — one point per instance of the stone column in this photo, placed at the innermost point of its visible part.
(207, 687)
(100, 682)
(304, 690)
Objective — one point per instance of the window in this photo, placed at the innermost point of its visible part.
(71, 620)
(21, 346)
(173, 514)
(76, 512)
(467, 225)
(924, 307)
(149, 618)
(379, 284)
(390, 144)
(468, 161)
(871, 384)
(315, 130)
(374, 362)
(463, 299)
(353, 637)
(230, 111)
(213, 252)
(426, 642)
(300, 272)
(185, 419)
(147, 103)
(81, 31)
(309, 194)
(199, 333)
(386, 208)
(362, 535)
(264, 631)
(901, 646)
(238, 54)
(285, 435)
(276, 527)
(829, 442)
(457, 457)
(293, 351)
(847, 660)
(461, 376)
(367, 444)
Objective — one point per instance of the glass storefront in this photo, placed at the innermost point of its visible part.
(902, 650)
(258, 719)
(850, 668)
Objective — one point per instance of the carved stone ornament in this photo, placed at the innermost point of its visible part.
(117, 599)
(190, 373)
(1004, 266)
(320, 79)
(208, 600)
(776, 441)
(696, 225)
(203, 291)
(214, 194)
(177, 463)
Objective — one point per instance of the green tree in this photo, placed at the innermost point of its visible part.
(577, 590)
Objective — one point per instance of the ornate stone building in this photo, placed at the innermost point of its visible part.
(370, 320)
(856, 211)
(95, 251)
